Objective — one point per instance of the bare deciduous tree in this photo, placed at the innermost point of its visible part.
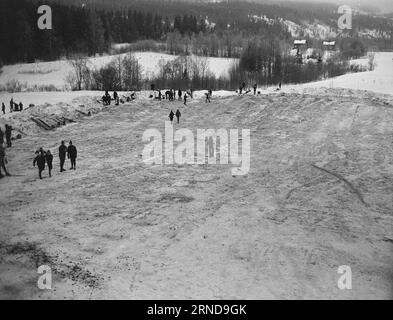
(79, 77)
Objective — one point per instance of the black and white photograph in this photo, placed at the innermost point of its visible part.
(189, 150)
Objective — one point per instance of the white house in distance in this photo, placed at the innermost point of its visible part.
(329, 45)
(299, 46)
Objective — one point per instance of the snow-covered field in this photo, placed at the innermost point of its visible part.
(380, 80)
(318, 196)
(54, 73)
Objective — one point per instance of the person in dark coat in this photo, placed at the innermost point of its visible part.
(107, 98)
(171, 115)
(255, 88)
(178, 115)
(40, 161)
(62, 155)
(3, 161)
(1, 136)
(179, 94)
(11, 105)
(72, 155)
(116, 98)
(49, 161)
(185, 99)
(8, 133)
(20, 106)
(207, 97)
(3, 107)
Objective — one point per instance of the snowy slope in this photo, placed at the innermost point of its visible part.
(116, 228)
(380, 80)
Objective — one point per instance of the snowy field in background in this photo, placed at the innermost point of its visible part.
(55, 72)
(380, 80)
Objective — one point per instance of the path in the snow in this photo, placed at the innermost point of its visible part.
(318, 196)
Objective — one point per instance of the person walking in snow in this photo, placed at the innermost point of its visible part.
(171, 115)
(3, 161)
(72, 155)
(49, 161)
(255, 89)
(178, 115)
(11, 105)
(179, 94)
(3, 107)
(40, 161)
(1, 136)
(20, 106)
(62, 155)
(185, 99)
(207, 97)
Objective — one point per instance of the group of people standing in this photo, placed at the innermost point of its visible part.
(46, 158)
(13, 106)
(170, 95)
(106, 98)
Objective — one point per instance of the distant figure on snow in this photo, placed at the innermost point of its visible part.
(255, 89)
(185, 99)
(3, 107)
(62, 155)
(116, 98)
(72, 155)
(1, 136)
(179, 94)
(3, 161)
(40, 161)
(49, 161)
(106, 98)
(11, 105)
(178, 115)
(171, 115)
(20, 106)
(207, 97)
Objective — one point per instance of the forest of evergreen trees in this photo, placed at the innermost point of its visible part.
(182, 27)
(89, 30)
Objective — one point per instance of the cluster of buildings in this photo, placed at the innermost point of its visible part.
(303, 52)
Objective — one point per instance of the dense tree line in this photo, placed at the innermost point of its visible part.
(79, 30)
(91, 30)
(213, 29)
